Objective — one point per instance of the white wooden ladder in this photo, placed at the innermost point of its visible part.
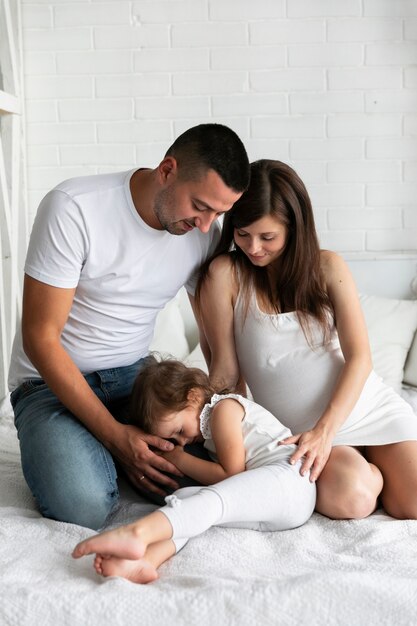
(13, 205)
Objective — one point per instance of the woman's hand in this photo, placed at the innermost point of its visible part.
(315, 446)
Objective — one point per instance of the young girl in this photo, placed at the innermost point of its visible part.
(253, 484)
(284, 316)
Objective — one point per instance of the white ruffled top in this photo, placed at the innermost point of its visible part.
(261, 432)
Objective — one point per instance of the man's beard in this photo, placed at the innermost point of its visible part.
(164, 209)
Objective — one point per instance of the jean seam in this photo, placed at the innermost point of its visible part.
(106, 394)
(108, 468)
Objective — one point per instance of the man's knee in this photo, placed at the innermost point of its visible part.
(89, 508)
(71, 475)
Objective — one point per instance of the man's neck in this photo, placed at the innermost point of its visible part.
(143, 191)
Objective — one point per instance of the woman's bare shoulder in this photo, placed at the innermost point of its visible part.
(222, 265)
(221, 279)
(331, 262)
(335, 270)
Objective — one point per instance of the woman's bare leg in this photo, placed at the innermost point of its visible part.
(398, 464)
(349, 486)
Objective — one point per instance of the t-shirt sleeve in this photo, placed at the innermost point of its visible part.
(212, 239)
(58, 243)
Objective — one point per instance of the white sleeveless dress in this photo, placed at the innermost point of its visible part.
(295, 383)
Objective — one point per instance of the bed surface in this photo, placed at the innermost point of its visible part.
(327, 572)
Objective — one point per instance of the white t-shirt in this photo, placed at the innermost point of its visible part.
(87, 234)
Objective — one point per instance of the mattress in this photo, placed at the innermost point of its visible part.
(326, 572)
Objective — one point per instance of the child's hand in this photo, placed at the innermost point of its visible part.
(174, 455)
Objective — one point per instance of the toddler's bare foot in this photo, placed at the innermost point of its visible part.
(138, 571)
(123, 543)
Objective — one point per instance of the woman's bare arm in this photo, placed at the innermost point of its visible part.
(217, 298)
(353, 336)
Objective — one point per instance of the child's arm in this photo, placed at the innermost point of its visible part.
(226, 431)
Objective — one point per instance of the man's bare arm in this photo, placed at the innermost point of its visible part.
(45, 312)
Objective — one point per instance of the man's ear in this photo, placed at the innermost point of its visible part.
(168, 169)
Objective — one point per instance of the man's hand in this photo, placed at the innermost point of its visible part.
(143, 466)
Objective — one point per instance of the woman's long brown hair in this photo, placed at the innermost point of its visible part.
(276, 190)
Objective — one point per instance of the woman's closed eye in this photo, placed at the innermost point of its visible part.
(263, 237)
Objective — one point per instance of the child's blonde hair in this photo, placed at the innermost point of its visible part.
(163, 387)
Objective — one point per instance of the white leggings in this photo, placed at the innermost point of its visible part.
(273, 497)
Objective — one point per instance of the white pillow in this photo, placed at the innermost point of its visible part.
(169, 337)
(410, 370)
(196, 359)
(190, 325)
(391, 327)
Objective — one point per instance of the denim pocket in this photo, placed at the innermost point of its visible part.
(25, 389)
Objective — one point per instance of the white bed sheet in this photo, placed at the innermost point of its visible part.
(327, 572)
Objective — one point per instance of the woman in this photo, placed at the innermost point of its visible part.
(284, 316)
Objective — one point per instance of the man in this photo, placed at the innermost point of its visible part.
(105, 255)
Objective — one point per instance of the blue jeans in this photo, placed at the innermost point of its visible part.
(70, 473)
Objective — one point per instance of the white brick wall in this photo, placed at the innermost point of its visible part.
(329, 86)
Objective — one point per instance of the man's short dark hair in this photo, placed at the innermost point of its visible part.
(212, 146)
